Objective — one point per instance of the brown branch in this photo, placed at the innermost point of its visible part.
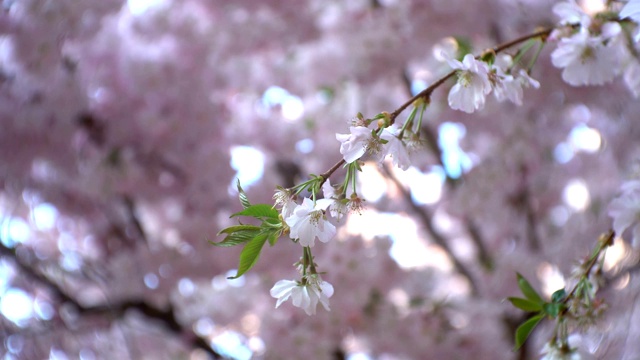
(522, 201)
(432, 141)
(426, 93)
(538, 34)
(133, 218)
(484, 258)
(325, 175)
(426, 218)
(167, 317)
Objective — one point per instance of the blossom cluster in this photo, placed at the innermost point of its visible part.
(590, 51)
(592, 48)
(381, 142)
(307, 222)
(476, 79)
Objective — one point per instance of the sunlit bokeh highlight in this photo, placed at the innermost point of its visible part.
(576, 195)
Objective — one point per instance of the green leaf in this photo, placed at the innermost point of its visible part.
(525, 304)
(553, 309)
(356, 165)
(489, 57)
(258, 211)
(236, 238)
(244, 200)
(273, 237)
(250, 254)
(272, 223)
(558, 296)
(237, 228)
(528, 291)
(525, 329)
(464, 47)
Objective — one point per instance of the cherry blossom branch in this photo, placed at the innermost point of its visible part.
(604, 241)
(574, 308)
(484, 258)
(426, 93)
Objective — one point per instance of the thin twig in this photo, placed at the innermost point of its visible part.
(538, 34)
(117, 310)
(426, 219)
(484, 258)
(426, 93)
(604, 241)
(325, 175)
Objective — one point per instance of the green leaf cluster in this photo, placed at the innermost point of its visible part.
(533, 303)
(253, 237)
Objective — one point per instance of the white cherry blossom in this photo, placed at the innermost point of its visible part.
(510, 87)
(284, 199)
(571, 13)
(337, 207)
(625, 211)
(305, 295)
(506, 85)
(308, 222)
(395, 147)
(468, 94)
(586, 59)
(354, 145)
(553, 350)
(632, 10)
